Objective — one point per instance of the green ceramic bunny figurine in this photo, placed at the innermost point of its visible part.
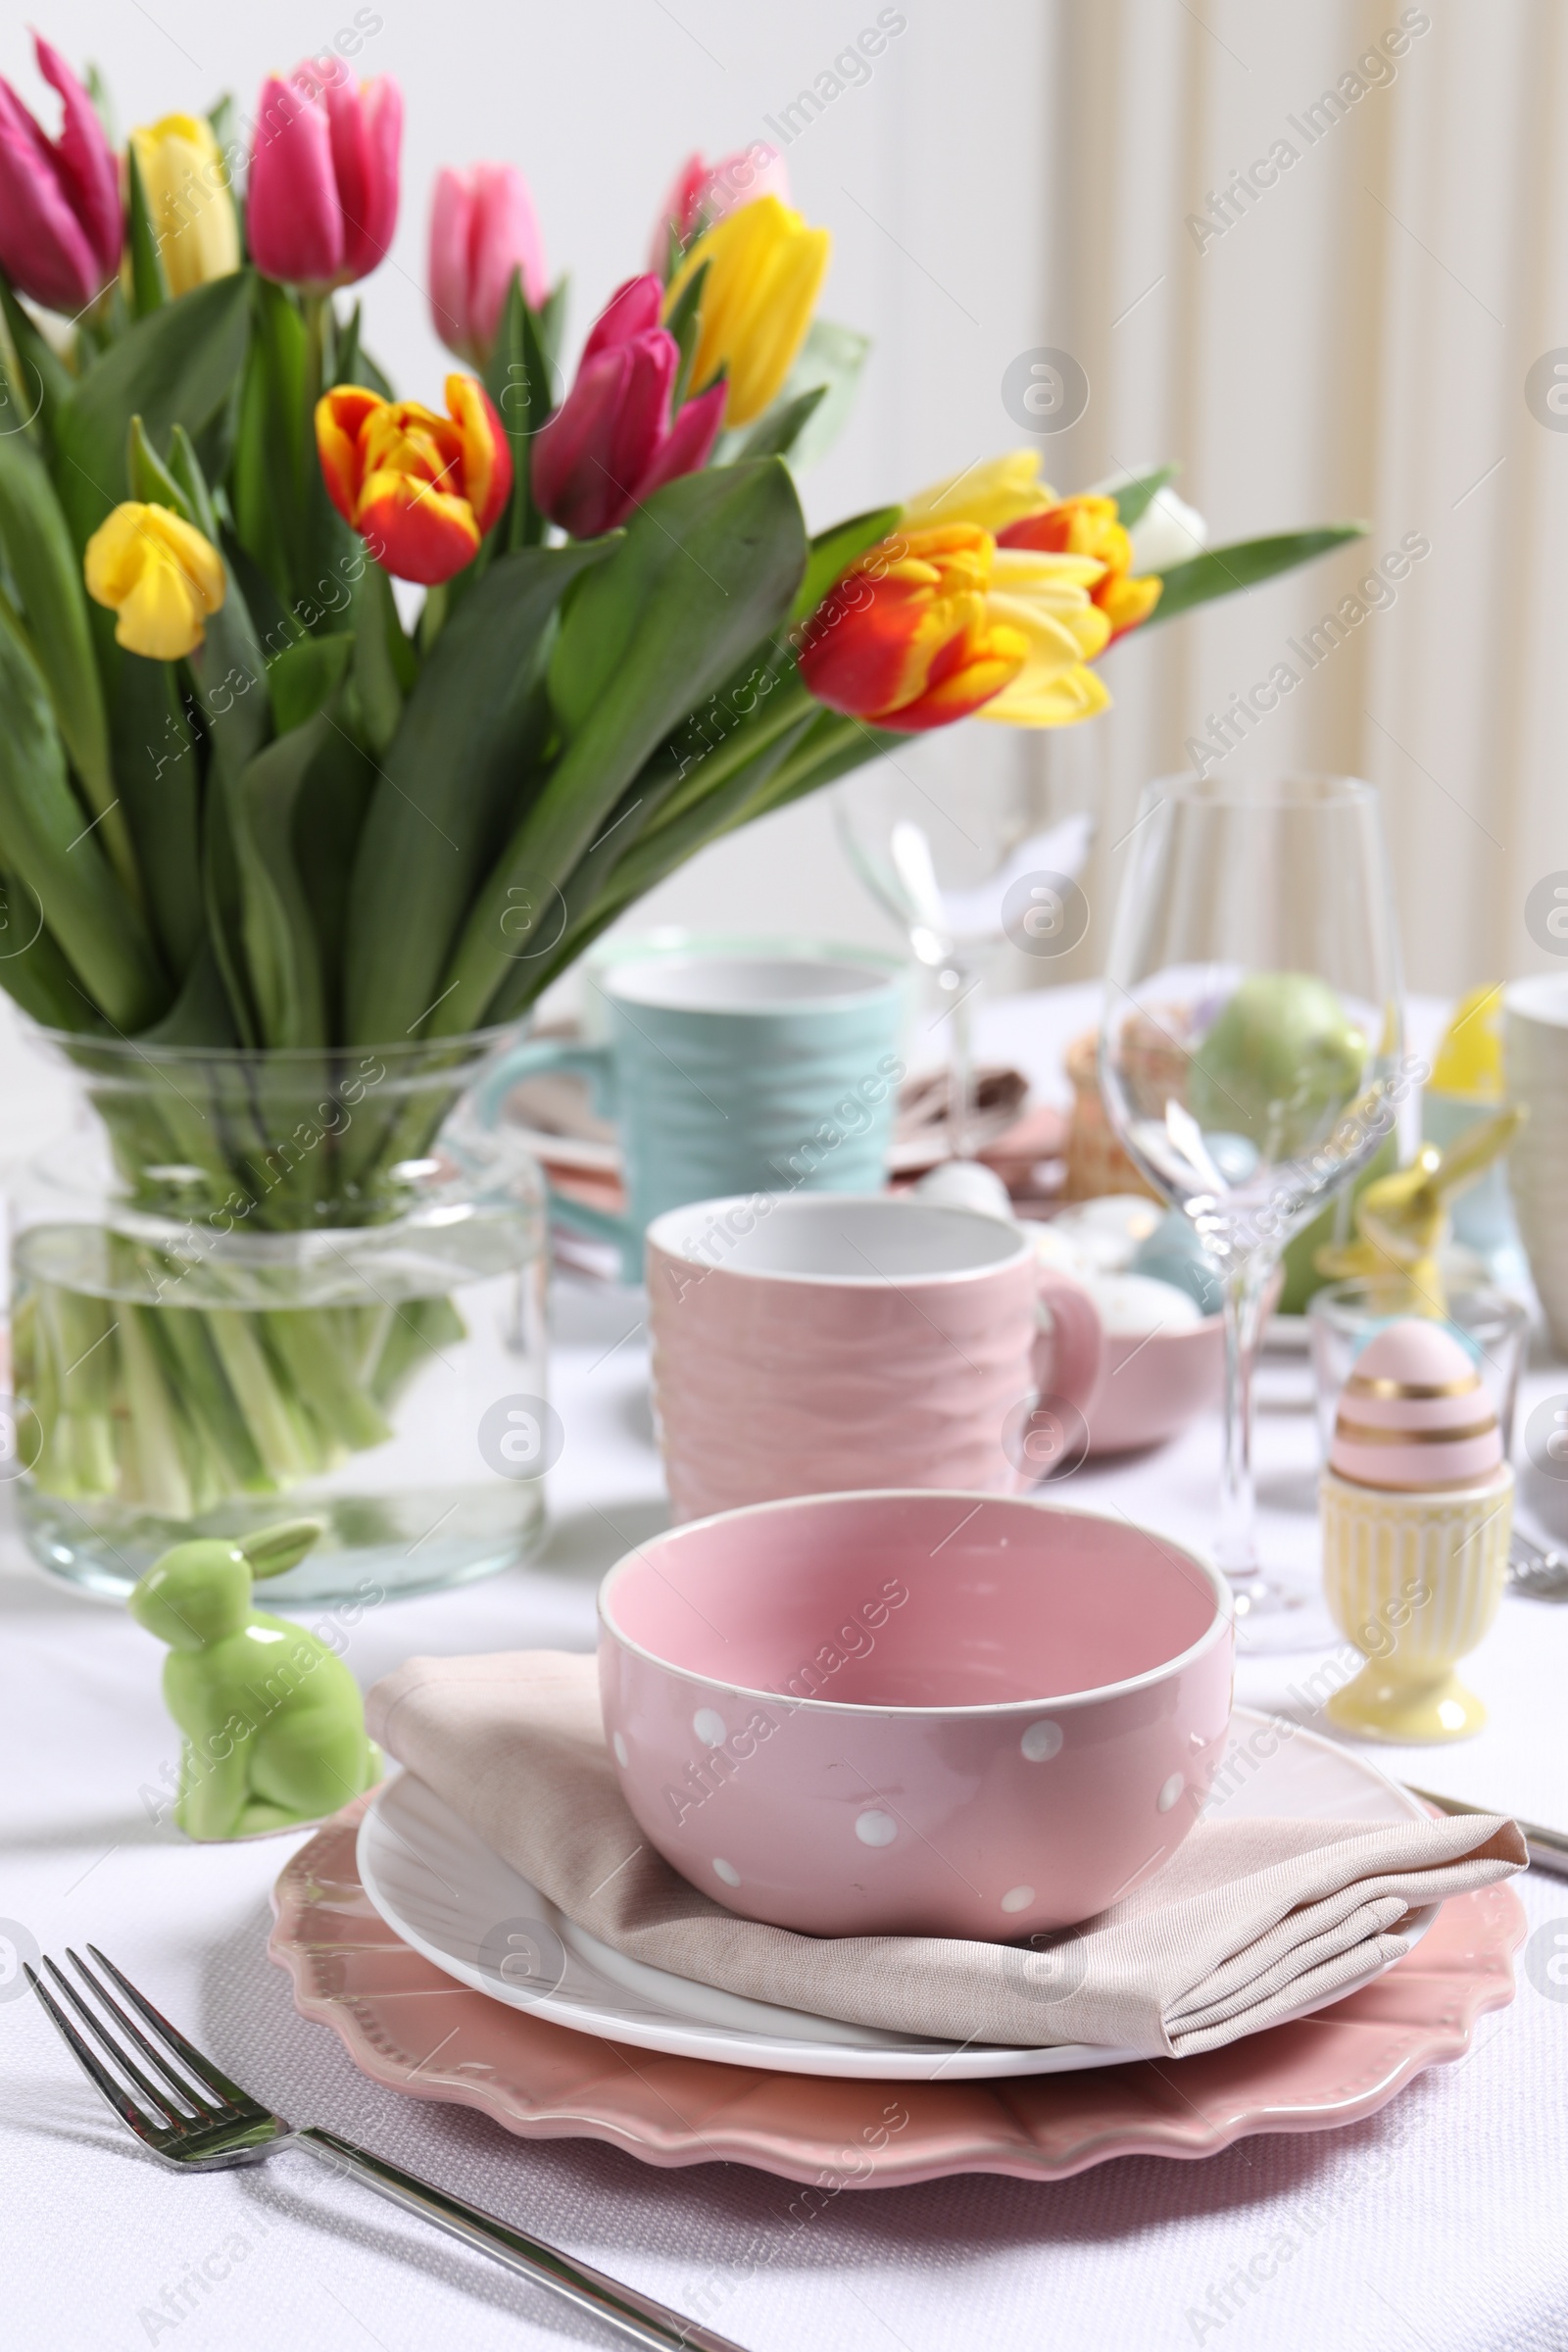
(272, 1720)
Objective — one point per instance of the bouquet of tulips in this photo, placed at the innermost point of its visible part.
(253, 802)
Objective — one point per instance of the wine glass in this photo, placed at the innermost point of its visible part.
(1250, 1059)
(957, 854)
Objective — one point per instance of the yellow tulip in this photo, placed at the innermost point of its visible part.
(1049, 599)
(186, 179)
(161, 577)
(765, 271)
(998, 492)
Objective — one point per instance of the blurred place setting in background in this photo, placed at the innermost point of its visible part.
(784, 1407)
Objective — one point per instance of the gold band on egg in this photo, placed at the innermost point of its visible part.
(1363, 1383)
(1363, 1434)
(1414, 1486)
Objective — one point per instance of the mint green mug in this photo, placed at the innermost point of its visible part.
(732, 1073)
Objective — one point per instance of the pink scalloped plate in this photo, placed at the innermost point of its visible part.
(407, 2025)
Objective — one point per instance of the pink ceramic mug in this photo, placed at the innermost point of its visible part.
(812, 1344)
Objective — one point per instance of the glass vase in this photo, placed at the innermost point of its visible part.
(253, 1287)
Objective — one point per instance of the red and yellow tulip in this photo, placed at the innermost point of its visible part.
(1089, 526)
(420, 489)
(1007, 497)
(931, 625)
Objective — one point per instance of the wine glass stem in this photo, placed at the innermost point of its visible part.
(960, 979)
(1238, 1518)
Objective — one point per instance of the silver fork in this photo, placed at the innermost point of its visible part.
(212, 2128)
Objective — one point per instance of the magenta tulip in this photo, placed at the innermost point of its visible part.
(323, 199)
(612, 442)
(702, 194)
(61, 224)
(482, 228)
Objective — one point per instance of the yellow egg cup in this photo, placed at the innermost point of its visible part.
(1414, 1581)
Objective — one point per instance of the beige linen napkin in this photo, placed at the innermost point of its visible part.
(1248, 1920)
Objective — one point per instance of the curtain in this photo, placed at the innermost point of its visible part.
(1317, 252)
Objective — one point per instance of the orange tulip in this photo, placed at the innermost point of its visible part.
(906, 639)
(420, 489)
(1088, 527)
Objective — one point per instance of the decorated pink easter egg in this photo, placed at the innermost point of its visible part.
(1414, 1415)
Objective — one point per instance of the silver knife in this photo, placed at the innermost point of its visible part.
(1547, 1848)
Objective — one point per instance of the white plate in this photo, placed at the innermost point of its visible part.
(464, 1909)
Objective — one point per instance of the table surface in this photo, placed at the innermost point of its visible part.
(1436, 2223)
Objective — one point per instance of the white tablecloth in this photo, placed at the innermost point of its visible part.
(1437, 2224)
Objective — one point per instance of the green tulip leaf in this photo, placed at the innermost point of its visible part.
(48, 842)
(685, 325)
(200, 1014)
(223, 899)
(346, 348)
(352, 364)
(229, 676)
(276, 924)
(38, 972)
(551, 317)
(329, 818)
(520, 380)
(305, 675)
(1135, 498)
(692, 585)
(706, 570)
(374, 376)
(634, 858)
(833, 358)
(454, 776)
(149, 287)
(267, 479)
(776, 435)
(157, 778)
(834, 551)
(186, 470)
(385, 663)
(103, 103)
(36, 380)
(1222, 570)
(46, 574)
(228, 672)
(176, 367)
(149, 479)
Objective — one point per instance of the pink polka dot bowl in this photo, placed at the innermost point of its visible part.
(916, 1712)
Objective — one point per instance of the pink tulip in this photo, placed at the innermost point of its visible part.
(702, 193)
(323, 199)
(611, 443)
(61, 224)
(482, 228)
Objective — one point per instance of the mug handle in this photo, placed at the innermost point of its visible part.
(1069, 1348)
(596, 1063)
